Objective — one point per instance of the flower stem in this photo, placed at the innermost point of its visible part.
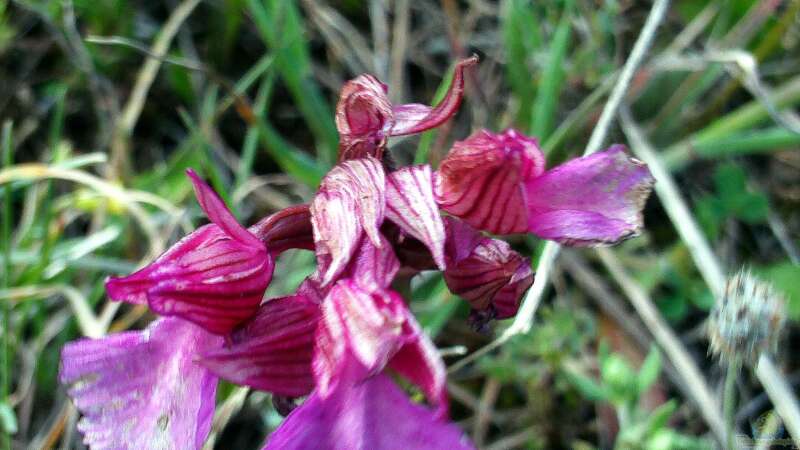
(729, 402)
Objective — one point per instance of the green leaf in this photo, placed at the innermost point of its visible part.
(783, 277)
(544, 107)
(649, 371)
(659, 417)
(8, 419)
(674, 308)
(587, 387)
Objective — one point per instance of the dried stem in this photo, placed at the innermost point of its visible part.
(667, 340)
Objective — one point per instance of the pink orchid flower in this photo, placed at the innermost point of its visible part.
(342, 334)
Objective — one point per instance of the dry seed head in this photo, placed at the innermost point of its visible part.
(747, 320)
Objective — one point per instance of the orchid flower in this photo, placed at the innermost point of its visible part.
(341, 335)
(366, 118)
(214, 277)
(498, 183)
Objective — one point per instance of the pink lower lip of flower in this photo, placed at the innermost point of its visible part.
(374, 414)
(498, 183)
(142, 389)
(214, 277)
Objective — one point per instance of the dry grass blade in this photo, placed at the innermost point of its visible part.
(133, 108)
(692, 377)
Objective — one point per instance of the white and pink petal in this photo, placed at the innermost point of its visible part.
(350, 203)
(410, 204)
(415, 118)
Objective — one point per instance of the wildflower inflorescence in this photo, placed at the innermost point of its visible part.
(339, 338)
(747, 320)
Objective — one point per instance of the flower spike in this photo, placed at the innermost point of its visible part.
(214, 277)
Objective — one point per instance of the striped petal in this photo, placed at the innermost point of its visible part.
(286, 229)
(374, 414)
(372, 268)
(594, 200)
(214, 277)
(419, 362)
(363, 332)
(272, 352)
(482, 180)
(350, 202)
(415, 118)
(363, 117)
(490, 275)
(218, 213)
(410, 205)
(141, 389)
(360, 331)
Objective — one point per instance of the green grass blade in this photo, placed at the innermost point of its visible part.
(250, 144)
(280, 27)
(734, 144)
(521, 38)
(5, 384)
(546, 103)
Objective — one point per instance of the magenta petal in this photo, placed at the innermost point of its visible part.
(286, 229)
(359, 333)
(415, 118)
(482, 180)
(491, 276)
(597, 199)
(363, 106)
(372, 415)
(372, 268)
(410, 204)
(507, 300)
(141, 389)
(207, 278)
(350, 202)
(420, 363)
(272, 352)
(218, 213)
(363, 115)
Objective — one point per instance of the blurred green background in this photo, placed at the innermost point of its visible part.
(104, 103)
